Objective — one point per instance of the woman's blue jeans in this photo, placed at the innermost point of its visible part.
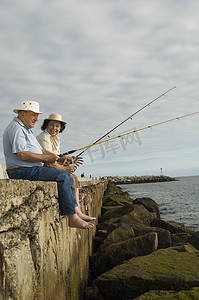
(66, 189)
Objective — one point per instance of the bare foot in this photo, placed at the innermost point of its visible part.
(83, 216)
(76, 222)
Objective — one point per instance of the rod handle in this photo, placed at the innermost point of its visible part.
(66, 153)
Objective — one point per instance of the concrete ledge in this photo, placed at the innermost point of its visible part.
(3, 173)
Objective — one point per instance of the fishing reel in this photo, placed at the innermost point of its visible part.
(69, 161)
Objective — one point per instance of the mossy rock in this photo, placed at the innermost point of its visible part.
(120, 233)
(173, 227)
(149, 204)
(116, 212)
(181, 227)
(113, 189)
(112, 200)
(165, 269)
(194, 240)
(113, 233)
(192, 294)
(188, 236)
(164, 236)
(185, 248)
(142, 214)
(179, 238)
(104, 209)
(92, 293)
(116, 253)
(138, 215)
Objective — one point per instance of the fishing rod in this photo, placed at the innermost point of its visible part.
(127, 133)
(139, 110)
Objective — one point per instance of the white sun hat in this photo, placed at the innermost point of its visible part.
(55, 117)
(29, 105)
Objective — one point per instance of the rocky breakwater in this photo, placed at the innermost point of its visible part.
(41, 258)
(138, 179)
(138, 255)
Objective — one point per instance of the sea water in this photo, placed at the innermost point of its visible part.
(178, 200)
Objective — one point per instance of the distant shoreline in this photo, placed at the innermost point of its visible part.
(138, 179)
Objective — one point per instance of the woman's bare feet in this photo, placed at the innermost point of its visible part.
(83, 216)
(76, 222)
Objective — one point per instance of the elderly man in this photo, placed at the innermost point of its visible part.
(25, 157)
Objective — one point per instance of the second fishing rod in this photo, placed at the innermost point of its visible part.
(130, 117)
(133, 131)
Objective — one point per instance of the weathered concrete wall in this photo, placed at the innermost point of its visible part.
(41, 258)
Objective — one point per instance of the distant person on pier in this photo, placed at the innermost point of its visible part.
(25, 158)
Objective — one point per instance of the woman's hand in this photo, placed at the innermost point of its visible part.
(78, 160)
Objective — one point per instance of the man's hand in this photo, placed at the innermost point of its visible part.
(62, 159)
(50, 157)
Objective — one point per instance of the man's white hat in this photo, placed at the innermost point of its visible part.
(29, 105)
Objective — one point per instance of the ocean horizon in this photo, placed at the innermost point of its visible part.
(178, 200)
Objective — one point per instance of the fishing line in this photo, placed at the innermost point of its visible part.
(130, 117)
(130, 132)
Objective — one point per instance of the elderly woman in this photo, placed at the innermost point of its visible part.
(49, 140)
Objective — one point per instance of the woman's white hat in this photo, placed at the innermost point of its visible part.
(55, 117)
(29, 105)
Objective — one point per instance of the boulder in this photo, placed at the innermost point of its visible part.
(173, 227)
(194, 240)
(185, 248)
(179, 233)
(178, 239)
(121, 232)
(129, 214)
(170, 295)
(164, 236)
(116, 212)
(112, 189)
(149, 204)
(115, 200)
(164, 269)
(92, 293)
(141, 214)
(116, 253)
(114, 233)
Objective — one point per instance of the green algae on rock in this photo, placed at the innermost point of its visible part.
(116, 253)
(165, 269)
(192, 294)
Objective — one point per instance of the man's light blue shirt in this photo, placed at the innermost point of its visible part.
(18, 138)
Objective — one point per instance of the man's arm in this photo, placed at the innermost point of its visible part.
(56, 165)
(34, 157)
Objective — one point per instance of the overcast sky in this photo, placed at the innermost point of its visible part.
(96, 63)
